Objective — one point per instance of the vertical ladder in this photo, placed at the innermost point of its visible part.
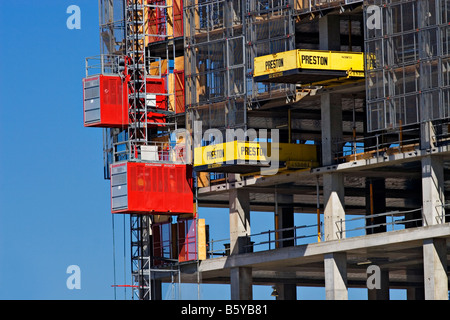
(137, 34)
(137, 136)
(141, 256)
(135, 47)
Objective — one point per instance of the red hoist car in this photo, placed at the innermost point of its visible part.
(105, 101)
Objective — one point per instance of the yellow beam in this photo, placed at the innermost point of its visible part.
(243, 151)
(285, 63)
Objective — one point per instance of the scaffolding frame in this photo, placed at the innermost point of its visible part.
(407, 65)
(270, 29)
(141, 261)
(221, 40)
(146, 28)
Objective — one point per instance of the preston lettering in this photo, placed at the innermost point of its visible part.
(276, 63)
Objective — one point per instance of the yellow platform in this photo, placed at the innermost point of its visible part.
(246, 157)
(309, 66)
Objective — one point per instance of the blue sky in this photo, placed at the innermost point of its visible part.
(54, 208)
(54, 203)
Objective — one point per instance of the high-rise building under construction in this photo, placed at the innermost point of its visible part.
(334, 109)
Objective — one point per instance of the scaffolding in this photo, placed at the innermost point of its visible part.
(156, 108)
(196, 61)
(112, 27)
(408, 55)
(221, 40)
(138, 46)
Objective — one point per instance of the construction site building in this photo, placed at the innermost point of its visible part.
(353, 96)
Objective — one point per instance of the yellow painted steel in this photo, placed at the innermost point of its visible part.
(201, 232)
(303, 155)
(274, 64)
(229, 151)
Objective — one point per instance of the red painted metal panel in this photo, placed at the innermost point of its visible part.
(187, 240)
(157, 20)
(179, 91)
(154, 188)
(158, 88)
(178, 18)
(159, 16)
(112, 102)
(185, 233)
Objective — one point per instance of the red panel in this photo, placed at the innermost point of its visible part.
(177, 18)
(187, 240)
(154, 118)
(155, 86)
(159, 188)
(157, 20)
(113, 103)
(179, 91)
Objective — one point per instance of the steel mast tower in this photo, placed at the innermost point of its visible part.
(135, 91)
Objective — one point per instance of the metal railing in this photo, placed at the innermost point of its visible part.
(169, 152)
(219, 248)
(109, 64)
(155, 66)
(356, 149)
(102, 64)
(297, 235)
(442, 216)
(394, 220)
(352, 227)
(268, 240)
(315, 5)
(388, 143)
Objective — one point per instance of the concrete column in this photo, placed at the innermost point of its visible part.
(383, 292)
(241, 283)
(329, 32)
(435, 269)
(239, 220)
(331, 122)
(333, 184)
(240, 278)
(334, 214)
(335, 265)
(432, 190)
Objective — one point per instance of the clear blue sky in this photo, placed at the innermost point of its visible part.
(54, 203)
(53, 199)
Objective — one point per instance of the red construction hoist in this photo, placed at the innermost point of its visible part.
(152, 188)
(131, 95)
